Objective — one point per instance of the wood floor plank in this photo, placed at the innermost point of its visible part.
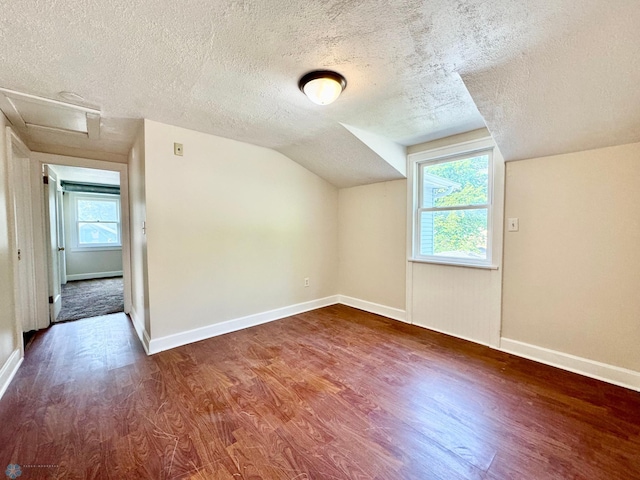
(335, 393)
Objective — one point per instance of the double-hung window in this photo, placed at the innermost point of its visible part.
(97, 220)
(453, 206)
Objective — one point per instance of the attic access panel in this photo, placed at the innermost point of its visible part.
(29, 112)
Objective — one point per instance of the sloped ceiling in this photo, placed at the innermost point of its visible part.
(555, 72)
(576, 89)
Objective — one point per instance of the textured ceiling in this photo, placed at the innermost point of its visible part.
(576, 88)
(548, 76)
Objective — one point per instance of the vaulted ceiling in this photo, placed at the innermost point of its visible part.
(546, 77)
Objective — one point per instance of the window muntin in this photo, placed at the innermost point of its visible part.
(453, 218)
(97, 221)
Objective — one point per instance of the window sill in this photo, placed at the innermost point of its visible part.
(95, 249)
(454, 264)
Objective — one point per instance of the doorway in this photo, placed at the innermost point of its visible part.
(30, 308)
(40, 264)
(85, 212)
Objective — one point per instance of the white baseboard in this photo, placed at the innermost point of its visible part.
(138, 325)
(584, 366)
(9, 369)
(91, 276)
(183, 338)
(390, 312)
(455, 335)
(146, 342)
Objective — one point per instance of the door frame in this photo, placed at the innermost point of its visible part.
(62, 241)
(14, 141)
(122, 169)
(50, 191)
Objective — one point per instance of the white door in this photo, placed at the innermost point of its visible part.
(54, 248)
(23, 239)
(62, 259)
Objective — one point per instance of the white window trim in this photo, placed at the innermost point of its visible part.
(74, 197)
(451, 152)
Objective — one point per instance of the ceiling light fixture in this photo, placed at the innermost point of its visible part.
(322, 86)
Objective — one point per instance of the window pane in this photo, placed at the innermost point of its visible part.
(98, 233)
(456, 183)
(97, 210)
(454, 233)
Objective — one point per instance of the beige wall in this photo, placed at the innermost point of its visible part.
(93, 264)
(137, 209)
(232, 230)
(572, 272)
(85, 262)
(372, 239)
(8, 338)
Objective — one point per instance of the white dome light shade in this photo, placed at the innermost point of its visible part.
(322, 91)
(322, 87)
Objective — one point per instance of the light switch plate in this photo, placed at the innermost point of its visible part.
(513, 224)
(177, 149)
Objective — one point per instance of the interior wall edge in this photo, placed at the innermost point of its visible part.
(157, 345)
(376, 308)
(138, 326)
(453, 334)
(583, 366)
(9, 369)
(93, 275)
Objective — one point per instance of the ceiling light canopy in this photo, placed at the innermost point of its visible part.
(322, 86)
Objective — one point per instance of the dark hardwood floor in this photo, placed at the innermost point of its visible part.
(331, 394)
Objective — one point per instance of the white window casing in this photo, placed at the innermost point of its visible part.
(417, 164)
(112, 225)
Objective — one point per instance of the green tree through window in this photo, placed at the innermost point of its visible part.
(454, 213)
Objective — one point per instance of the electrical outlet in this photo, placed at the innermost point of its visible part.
(177, 149)
(306, 282)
